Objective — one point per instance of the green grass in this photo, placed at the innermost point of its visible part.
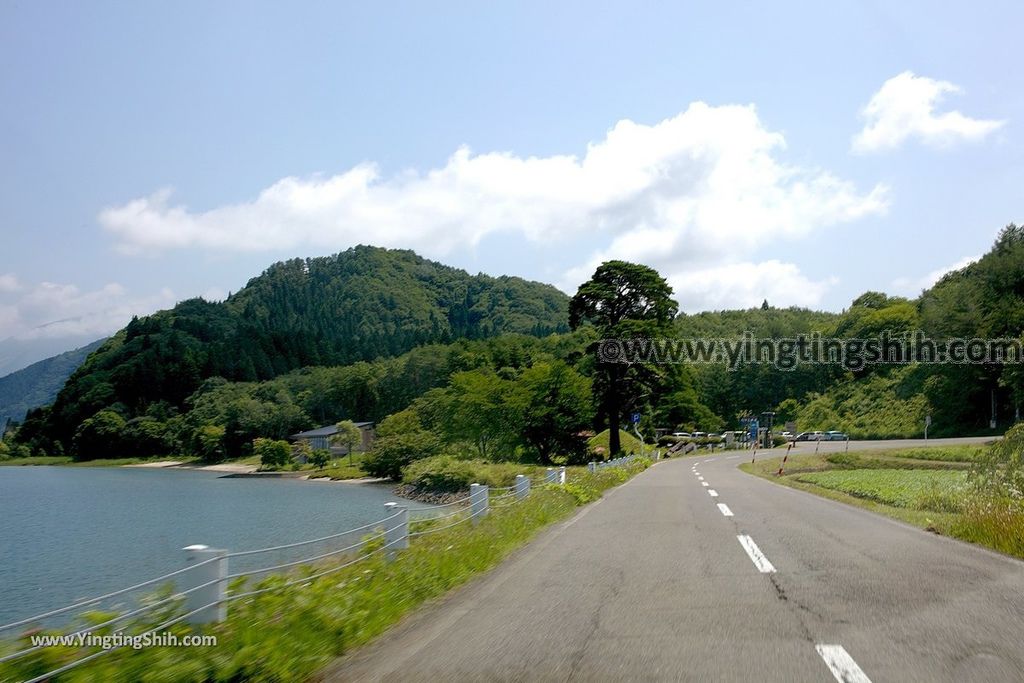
(341, 470)
(36, 460)
(919, 489)
(938, 498)
(296, 632)
(969, 453)
(629, 443)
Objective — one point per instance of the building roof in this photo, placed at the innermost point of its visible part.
(329, 430)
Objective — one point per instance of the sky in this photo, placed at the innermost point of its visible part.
(801, 153)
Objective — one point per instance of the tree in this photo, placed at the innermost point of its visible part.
(623, 301)
(272, 454)
(99, 436)
(347, 435)
(390, 454)
(473, 409)
(209, 442)
(551, 404)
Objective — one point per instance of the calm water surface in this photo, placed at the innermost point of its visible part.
(68, 533)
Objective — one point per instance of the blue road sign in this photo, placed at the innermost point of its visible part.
(636, 418)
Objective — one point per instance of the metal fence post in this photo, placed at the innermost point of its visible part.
(522, 486)
(396, 531)
(561, 476)
(478, 501)
(549, 475)
(213, 573)
(592, 466)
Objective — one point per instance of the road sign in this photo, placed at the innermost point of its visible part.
(636, 418)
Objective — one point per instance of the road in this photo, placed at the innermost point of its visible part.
(657, 581)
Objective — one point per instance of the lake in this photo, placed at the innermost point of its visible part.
(68, 533)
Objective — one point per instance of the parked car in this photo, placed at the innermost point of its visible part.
(835, 436)
(788, 435)
(716, 436)
(809, 436)
(683, 434)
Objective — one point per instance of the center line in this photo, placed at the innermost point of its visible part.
(755, 554)
(700, 478)
(725, 509)
(703, 483)
(841, 664)
(713, 493)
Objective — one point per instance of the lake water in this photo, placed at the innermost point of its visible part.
(68, 533)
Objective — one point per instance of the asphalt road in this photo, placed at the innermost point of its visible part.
(657, 582)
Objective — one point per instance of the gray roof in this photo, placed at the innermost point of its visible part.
(329, 430)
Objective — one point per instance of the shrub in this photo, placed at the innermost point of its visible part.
(320, 457)
(390, 454)
(447, 473)
(272, 454)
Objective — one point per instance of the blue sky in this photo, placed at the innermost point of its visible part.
(802, 153)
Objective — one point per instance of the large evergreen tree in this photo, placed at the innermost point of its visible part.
(623, 301)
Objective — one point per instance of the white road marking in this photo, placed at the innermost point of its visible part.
(700, 478)
(755, 554)
(713, 493)
(703, 483)
(725, 509)
(841, 664)
(732, 457)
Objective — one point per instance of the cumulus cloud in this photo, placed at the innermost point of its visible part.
(746, 285)
(910, 286)
(49, 310)
(904, 107)
(692, 189)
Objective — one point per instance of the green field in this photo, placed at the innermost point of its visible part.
(900, 488)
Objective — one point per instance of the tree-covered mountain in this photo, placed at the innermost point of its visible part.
(361, 304)
(38, 384)
(367, 333)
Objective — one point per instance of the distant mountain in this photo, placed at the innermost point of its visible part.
(361, 304)
(16, 353)
(38, 384)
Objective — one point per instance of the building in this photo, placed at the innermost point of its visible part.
(321, 438)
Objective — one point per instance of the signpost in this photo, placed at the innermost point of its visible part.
(636, 430)
(927, 424)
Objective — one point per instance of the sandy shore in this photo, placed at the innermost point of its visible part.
(232, 468)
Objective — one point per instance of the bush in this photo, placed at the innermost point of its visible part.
(272, 454)
(319, 458)
(447, 473)
(390, 454)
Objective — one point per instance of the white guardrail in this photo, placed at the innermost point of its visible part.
(201, 586)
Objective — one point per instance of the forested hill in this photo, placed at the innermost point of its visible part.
(38, 384)
(361, 304)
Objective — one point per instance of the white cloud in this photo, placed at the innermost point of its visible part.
(904, 107)
(913, 286)
(746, 285)
(9, 283)
(48, 310)
(690, 191)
